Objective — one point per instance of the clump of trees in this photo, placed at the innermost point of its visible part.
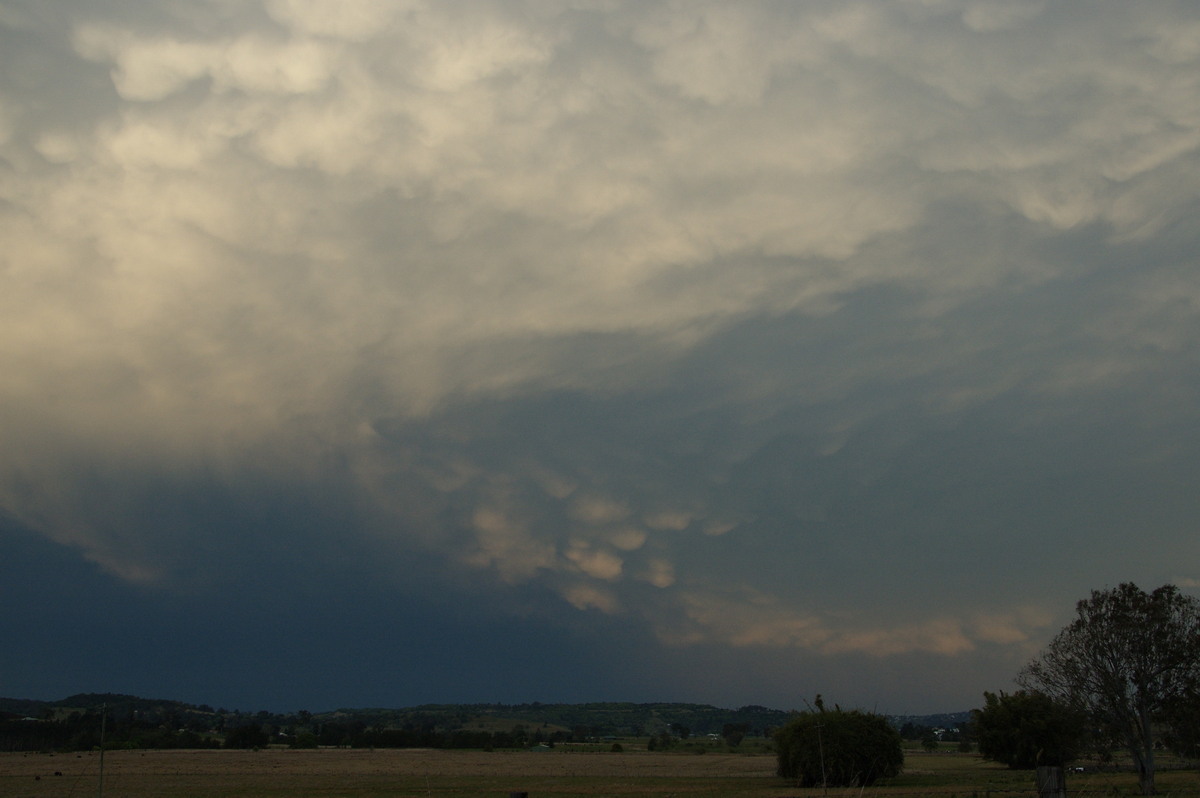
(125, 724)
(248, 736)
(1129, 663)
(931, 737)
(838, 748)
(1028, 729)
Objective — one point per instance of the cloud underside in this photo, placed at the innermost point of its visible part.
(736, 322)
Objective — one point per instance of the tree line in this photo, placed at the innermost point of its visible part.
(84, 730)
(74, 724)
(118, 728)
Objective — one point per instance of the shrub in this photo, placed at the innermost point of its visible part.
(838, 748)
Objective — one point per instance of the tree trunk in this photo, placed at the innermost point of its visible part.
(1146, 779)
(1146, 755)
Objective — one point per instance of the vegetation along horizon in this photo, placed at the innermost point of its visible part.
(1114, 701)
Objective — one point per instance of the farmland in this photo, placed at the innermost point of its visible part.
(350, 773)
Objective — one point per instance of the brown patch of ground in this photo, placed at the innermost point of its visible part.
(353, 773)
(408, 761)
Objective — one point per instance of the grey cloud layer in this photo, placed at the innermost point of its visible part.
(649, 304)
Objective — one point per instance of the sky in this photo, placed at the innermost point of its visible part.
(387, 352)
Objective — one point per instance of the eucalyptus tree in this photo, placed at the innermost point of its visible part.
(1129, 660)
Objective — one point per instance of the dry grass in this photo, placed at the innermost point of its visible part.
(340, 773)
(363, 773)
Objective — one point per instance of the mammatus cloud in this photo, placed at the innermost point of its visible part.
(633, 310)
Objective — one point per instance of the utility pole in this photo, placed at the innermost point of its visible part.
(103, 721)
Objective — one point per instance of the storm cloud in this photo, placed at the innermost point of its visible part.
(706, 351)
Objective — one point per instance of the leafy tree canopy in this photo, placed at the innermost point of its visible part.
(1027, 729)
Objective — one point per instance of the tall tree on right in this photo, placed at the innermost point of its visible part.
(1129, 660)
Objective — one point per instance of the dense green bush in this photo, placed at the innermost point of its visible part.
(838, 748)
(303, 739)
(1027, 729)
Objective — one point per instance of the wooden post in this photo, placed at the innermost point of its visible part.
(1051, 783)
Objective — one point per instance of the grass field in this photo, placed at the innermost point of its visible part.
(344, 773)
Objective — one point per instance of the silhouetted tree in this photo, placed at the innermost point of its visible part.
(1128, 659)
(734, 733)
(1027, 729)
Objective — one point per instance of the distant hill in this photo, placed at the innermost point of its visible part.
(84, 702)
(597, 719)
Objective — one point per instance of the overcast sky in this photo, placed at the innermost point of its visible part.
(373, 352)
